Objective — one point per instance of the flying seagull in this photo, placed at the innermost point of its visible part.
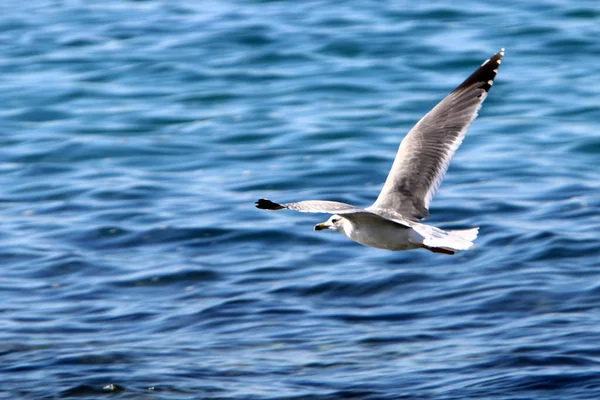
(392, 222)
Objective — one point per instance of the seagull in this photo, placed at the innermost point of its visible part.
(392, 222)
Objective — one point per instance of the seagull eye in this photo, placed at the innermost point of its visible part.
(335, 221)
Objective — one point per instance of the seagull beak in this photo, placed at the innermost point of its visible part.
(320, 227)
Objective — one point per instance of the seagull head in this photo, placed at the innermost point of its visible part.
(334, 223)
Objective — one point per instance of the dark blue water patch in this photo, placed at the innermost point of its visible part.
(582, 13)
(178, 277)
(19, 256)
(570, 384)
(95, 359)
(40, 115)
(569, 45)
(338, 289)
(116, 237)
(91, 391)
(586, 146)
(125, 192)
(65, 264)
(399, 317)
(568, 249)
(213, 97)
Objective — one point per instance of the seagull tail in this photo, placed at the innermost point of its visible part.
(466, 234)
(446, 242)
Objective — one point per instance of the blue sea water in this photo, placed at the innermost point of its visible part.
(136, 136)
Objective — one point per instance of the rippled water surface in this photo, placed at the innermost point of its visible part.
(136, 136)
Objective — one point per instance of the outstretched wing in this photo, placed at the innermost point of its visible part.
(426, 151)
(329, 207)
(312, 206)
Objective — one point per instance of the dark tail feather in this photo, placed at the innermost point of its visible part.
(265, 204)
(439, 250)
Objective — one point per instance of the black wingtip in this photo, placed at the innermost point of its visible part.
(485, 74)
(265, 204)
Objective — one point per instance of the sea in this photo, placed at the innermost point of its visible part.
(135, 137)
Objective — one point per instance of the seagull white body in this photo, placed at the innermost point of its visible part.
(392, 222)
(382, 235)
(389, 235)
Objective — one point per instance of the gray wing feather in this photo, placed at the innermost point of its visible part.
(329, 207)
(324, 206)
(312, 206)
(426, 151)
